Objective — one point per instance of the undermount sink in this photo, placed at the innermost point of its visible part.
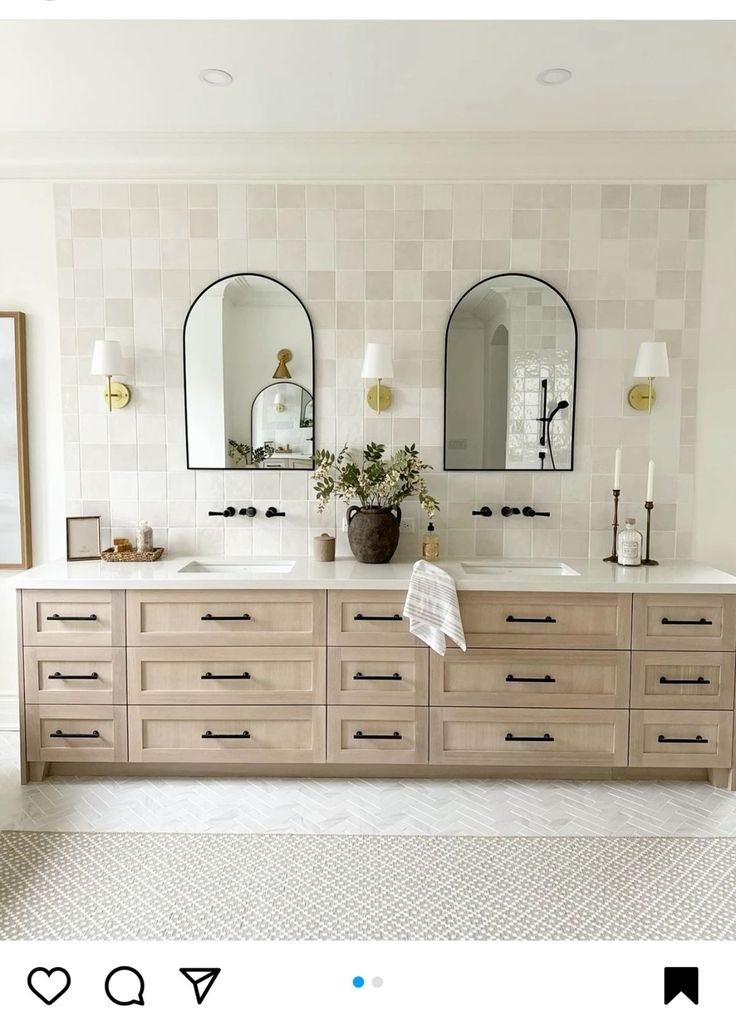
(524, 568)
(236, 568)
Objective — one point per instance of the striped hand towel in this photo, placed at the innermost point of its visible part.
(432, 608)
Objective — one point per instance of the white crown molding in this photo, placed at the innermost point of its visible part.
(370, 156)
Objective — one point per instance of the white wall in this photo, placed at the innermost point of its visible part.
(714, 538)
(28, 284)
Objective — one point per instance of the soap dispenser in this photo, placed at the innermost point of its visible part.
(430, 544)
(629, 544)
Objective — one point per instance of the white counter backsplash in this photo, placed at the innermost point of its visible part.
(132, 256)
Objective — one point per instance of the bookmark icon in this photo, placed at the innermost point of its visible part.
(202, 980)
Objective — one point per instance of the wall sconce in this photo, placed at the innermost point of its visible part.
(651, 362)
(278, 403)
(378, 363)
(107, 357)
(284, 356)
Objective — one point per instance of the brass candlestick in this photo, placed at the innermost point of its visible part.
(614, 550)
(649, 506)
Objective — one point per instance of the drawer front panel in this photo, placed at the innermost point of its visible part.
(226, 675)
(685, 622)
(368, 618)
(531, 678)
(516, 736)
(68, 618)
(675, 679)
(686, 738)
(599, 621)
(379, 736)
(76, 733)
(225, 618)
(254, 734)
(377, 675)
(74, 675)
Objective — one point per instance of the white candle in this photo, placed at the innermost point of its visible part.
(617, 470)
(650, 482)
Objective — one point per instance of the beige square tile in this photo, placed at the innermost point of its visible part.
(438, 254)
(526, 223)
(86, 222)
(379, 284)
(466, 255)
(614, 222)
(555, 255)
(615, 195)
(203, 222)
(645, 195)
(408, 196)
(320, 254)
(556, 195)
(436, 285)
(496, 255)
(674, 195)
(115, 222)
(379, 196)
(379, 255)
(349, 195)
(291, 223)
(407, 284)
(262, 254)
(408, 255)
(321, 284)
(496, 224)
(350, 224)
(556, 223)
(203, 253)
(698, 193)
(379, 224)
(260, 195)
(378, 315)
(696, 224)
(261, 223)
(350, 315)
(407, 315)
(671, 284)
(527, 195)
(292, 255)
(290, 195)
(585, 196)
(202, 195)
(350, 255)
(408, 225)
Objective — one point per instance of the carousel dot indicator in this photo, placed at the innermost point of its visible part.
(377, 982)
(358, 981)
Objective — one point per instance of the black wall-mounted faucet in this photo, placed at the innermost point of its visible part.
(273, 512)
(483, 512)
(247, 512)
(227, 512)
(531, 512)
(508, 511)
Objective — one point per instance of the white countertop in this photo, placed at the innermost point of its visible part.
(346, 573)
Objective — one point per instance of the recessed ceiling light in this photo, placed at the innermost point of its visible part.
(554, 76)
(215, 77)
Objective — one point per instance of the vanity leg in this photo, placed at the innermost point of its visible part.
(37, 771)
(725, 779)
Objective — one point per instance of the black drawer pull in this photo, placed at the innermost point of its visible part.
(209, 735)
(360, 735)
(211, 675)
(530, 679)
(394, 676)
(548, 620)
(60, 675)
(225, 618)
(700, 681)
(686, 621)
(377, 618)
(59, 734)
(661, 739)
(71, 618)
(546, 739)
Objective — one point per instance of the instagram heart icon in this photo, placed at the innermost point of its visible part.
(49, 985)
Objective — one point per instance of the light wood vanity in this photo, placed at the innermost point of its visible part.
(330, 681)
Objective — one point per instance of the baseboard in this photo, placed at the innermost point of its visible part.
(8, 711)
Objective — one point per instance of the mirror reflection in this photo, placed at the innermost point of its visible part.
(510, 356)
(249, 376)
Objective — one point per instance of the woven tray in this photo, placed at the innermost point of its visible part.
(133, 555)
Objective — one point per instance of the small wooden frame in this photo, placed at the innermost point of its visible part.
(15, 491)
(83, 540)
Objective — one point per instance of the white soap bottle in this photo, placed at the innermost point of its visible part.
(144, 537)
(629, 544)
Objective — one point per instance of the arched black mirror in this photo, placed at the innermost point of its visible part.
(510, 365)
(248, 337)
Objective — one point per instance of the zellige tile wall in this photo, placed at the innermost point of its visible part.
(385, 262)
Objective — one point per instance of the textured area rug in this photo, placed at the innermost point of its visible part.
(225, 887)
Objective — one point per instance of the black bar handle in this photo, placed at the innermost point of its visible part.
(209, 735)
(59, 734)
(227, 512)
(548, 620)
(225, 618)
(483, 512)
(360, 735)
(546, 739)
(60, 675)
(71, 618)
(661, 739)
(210, 675)
(531, 512)
(686, 621)
(273, 512)
(530, 679)
(394, 676)
(700, 681)
(377, 618)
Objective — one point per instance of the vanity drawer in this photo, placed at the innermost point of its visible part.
(68, 618)
(368, 618)
(226, 675)
(676, 679)
(227, 734)
(76, 733)
(494, 736)
(670, 738)
(74, 675)
(377, 675)
(379, 736)
(594, 621)
(531, 678)
(224, 618)
(685, 622)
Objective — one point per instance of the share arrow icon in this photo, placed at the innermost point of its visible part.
(202, 979)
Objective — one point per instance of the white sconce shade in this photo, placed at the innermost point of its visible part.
(378, 362)
(278, 403)
(107, 358)
(652, 360)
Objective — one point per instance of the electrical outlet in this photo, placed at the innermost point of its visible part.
(408, 525)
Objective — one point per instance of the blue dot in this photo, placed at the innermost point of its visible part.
(358, 982)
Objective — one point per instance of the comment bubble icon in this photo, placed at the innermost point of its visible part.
(124, 986)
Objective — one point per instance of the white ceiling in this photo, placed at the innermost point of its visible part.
(366, 76)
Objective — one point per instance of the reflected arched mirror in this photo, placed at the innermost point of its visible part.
(249, 376)
(510, 359)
